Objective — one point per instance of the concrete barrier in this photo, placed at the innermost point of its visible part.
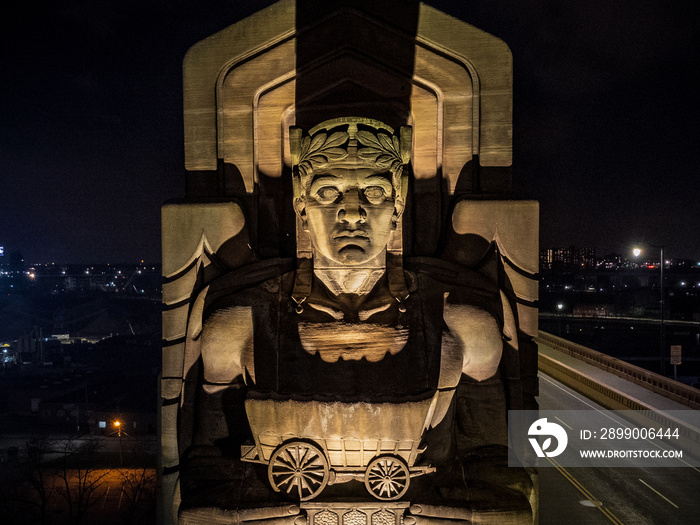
(674, 390)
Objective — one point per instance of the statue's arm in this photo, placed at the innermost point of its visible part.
(479, 337)
(227, 346)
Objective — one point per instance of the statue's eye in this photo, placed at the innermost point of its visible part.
(327, 194)
(375, 194)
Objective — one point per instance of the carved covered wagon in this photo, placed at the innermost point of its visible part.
(310, 444)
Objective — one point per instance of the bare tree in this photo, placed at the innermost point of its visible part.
(39, 480)
(139, 488)
(42, 487)
(27, 486)
(82, 483)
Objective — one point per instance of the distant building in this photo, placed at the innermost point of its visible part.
(11, 272)
(545, 259)
(611, 261)
(557, 258)
(584, 258)
(567, 259)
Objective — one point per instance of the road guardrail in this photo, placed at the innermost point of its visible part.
(674, 390)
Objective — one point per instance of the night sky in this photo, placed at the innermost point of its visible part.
(91, 135)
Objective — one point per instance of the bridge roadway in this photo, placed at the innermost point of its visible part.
(629, 496)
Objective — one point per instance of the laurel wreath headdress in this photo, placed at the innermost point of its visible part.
(350, 141)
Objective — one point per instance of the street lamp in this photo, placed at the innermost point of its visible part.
(118, 425)
(560, 307)
(637, 252)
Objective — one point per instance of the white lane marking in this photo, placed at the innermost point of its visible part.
(120, 499)
(659, 493)
(578, 398)
(560, 421)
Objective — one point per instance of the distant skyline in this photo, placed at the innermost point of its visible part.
(648, 254)
(606, 119)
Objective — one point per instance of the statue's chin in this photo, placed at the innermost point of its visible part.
(352, 255)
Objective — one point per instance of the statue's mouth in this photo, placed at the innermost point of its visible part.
(351, 234)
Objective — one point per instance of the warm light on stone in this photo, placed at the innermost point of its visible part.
(346, 319)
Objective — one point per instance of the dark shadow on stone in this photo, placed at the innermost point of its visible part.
(276, 228)
(211, 471)
(493, 182)
(366, 35)
(424, 213)
(236, 251)
(468, 180)
(233, 184)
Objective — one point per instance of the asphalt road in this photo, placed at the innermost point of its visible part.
(630, 496)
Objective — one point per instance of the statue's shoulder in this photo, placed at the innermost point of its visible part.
(445, 275)
(450, 283)
(252, 282)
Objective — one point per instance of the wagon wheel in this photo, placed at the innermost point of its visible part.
(387, 477)
(298, 469)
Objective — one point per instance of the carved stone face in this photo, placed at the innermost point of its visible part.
(349, 214)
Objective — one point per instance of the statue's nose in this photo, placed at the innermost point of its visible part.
(351, 208)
